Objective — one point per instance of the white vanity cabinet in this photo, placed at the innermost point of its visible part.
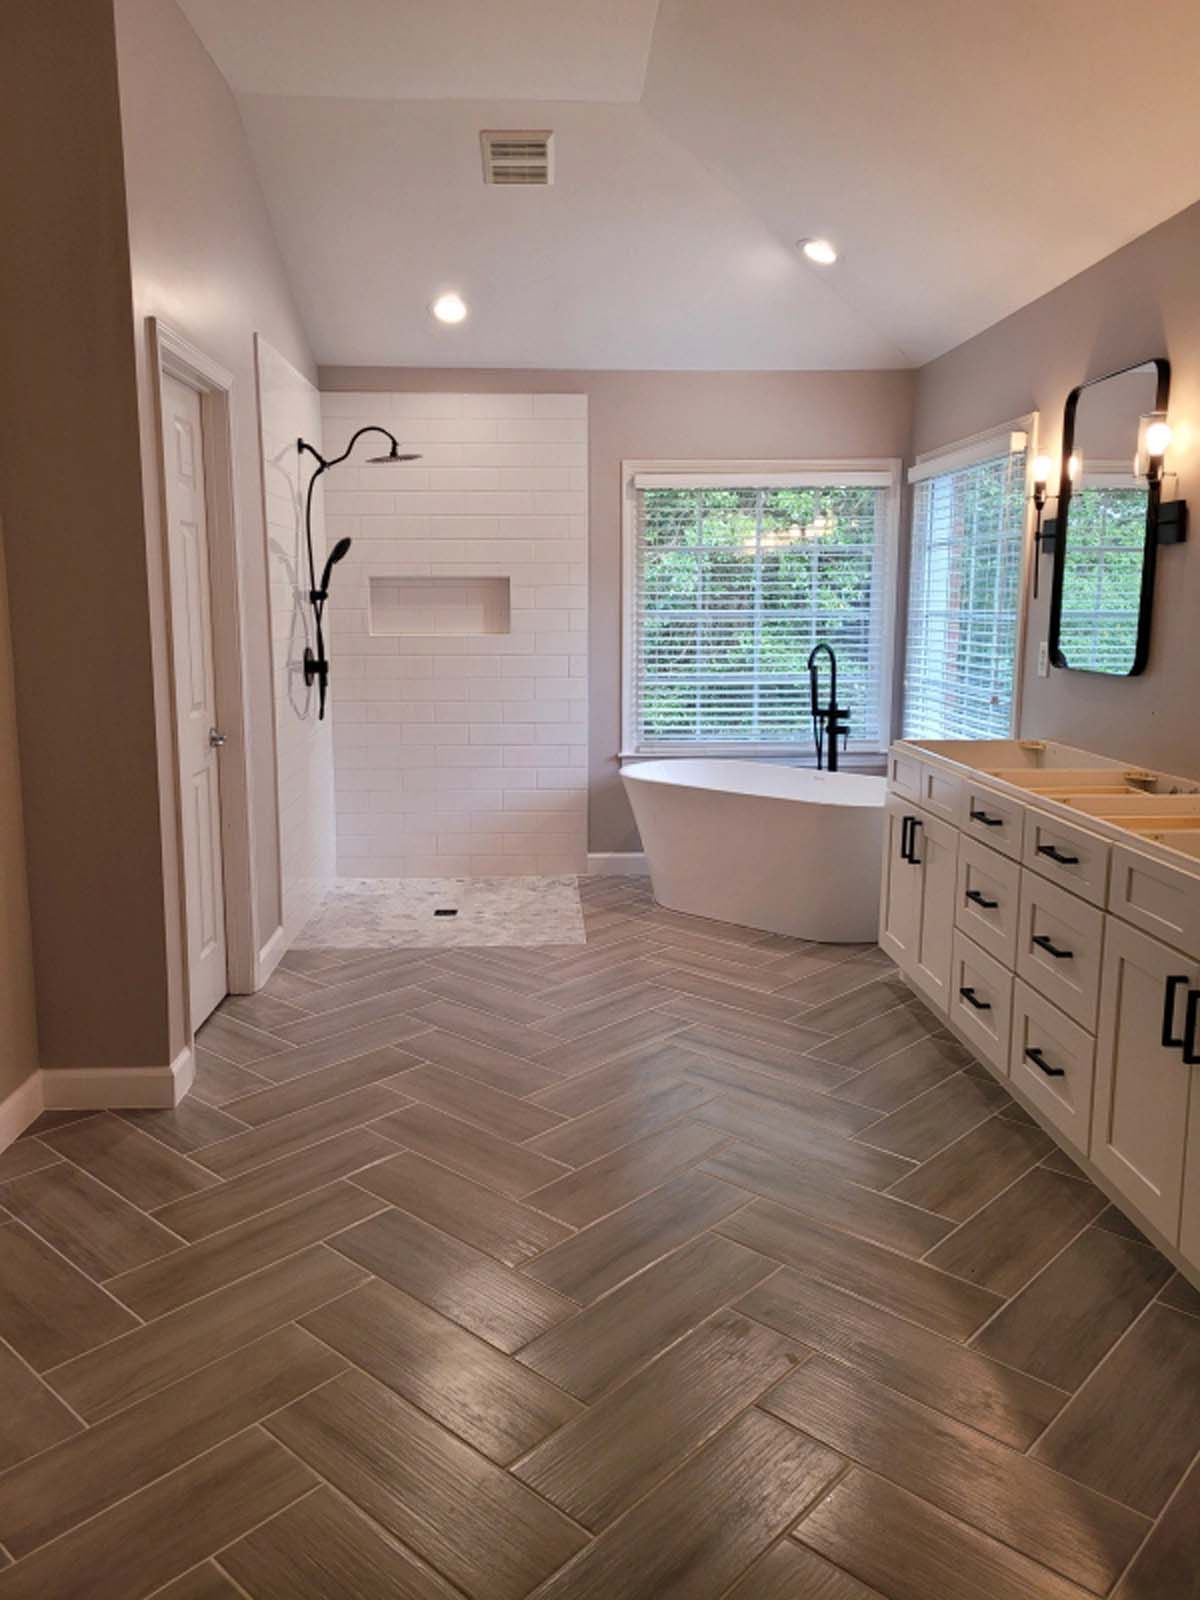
(1046, 902)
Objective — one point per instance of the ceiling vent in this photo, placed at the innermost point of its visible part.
(517, 156)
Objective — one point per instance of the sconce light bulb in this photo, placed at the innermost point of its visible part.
(1042, 468)
(1073, 466)
(1158, 439)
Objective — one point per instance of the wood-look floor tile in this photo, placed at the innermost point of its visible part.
(91, 1226)
(588, 1138)
(935, 1119)
(81, 1477)
(789, 1571)
(790, 1135)
(31, 1417)
(495, 999)
(599, 1465)
(733, 1049)
(570, 1058)
(1065, 1321)
(683, 922)
(658, 1062)
(470, 1520)
(974, 1169)
(608, 985)
(290, 1134)
(27, 1155)
(496, 1069)
(292, 986)
(607, 1252)
(771, 1093)
(773, 1006)
(493, 1402)
(273, 1185)
(49, 1311)
(908, 1073)
(337, 997)
(629, 1326)
(592, 1191)
(139, 1168)
(997, 1490)
(327, 1083)
(695, 1009)
(205, 1582)
(505, 1115)
(924, 1366)
(1114, 1221)
(302, 1059)
(142, 1542)
(150, 1358)
(388, 1016)
(909, 1288)
(697, 1532)
(833, 982)
(743, 967)
(305, 963)
(510, 1169)
(237, 1041)
(1180, 1294)
(262, 1010)
(1136, 1452)
(483, 1028)
(186, 1127)
(218, 1081)
(1168, 1565)
(504, 1307)
(213, 1263)
(579, 1022)
(870, 1042)
(505, 1229)
(1059, 1161)
(517, 977)
(1015, 1235)
(841, 1204)
(386, 962)
(47, 1121)
(855, 1004)
(323, 1547)
(911, 1551)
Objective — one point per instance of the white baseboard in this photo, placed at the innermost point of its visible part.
(623, 863)
(19, 1108)
(271, 955)
(118, 1088)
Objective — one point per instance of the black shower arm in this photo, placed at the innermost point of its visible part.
(317, 596)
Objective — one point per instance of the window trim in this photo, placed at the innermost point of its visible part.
(885, 472)
(954, 457)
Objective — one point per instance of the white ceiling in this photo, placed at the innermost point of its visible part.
(966, 157)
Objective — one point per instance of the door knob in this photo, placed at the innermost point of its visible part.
(216, 738)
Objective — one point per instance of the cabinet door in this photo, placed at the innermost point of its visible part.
(900, 899)
(935, 844)
(1140, 1116)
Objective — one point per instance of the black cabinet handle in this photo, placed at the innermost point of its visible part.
(1057, 855)
(982, 900)
(970, 997)
(1039, 1060)
(1169, 1041)
(913, 858)
(1044, 942)
(1191, 1028)
(905, 828)
(988, 822)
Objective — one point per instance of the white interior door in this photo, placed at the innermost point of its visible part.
(195, 696)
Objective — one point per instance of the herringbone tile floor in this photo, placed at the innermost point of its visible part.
(694, 1263)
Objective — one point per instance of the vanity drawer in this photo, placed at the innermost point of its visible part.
(992, 818)
(904, 774)
(1067, 855)
(1160, 899)
(1052, 1061)
(941, 793)
(989, 893)
(1060, 947)
(981, 1001)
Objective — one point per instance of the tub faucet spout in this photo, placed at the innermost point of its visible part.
(830, 720)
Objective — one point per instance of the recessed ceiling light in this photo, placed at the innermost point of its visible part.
(819, 250)
(450, 308)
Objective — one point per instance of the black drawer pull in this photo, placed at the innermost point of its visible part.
(982, 900)
(988, 822)
(908, 841)
(969, 996)
(1169, 1041)
(1039, 1060)
(1191, 1028)
(1057, 855)
(1044, 942)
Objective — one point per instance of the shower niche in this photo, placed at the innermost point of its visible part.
(439, 608)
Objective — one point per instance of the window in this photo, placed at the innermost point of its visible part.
(964, 591)
(731, 578)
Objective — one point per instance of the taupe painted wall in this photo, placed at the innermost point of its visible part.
(18, 1019)
(660, 415)
(1142, 301)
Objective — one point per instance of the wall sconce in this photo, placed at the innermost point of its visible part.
(316, 662)
(1154, 440)
(1045, 538)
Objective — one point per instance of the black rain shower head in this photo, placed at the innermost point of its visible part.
(393, 455)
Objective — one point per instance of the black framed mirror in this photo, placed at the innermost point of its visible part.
(1107, 531)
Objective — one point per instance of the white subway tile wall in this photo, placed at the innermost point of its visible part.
(290, 409)
(462, 754)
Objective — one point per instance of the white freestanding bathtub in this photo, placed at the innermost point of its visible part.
(786, 849)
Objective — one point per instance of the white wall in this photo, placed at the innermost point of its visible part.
(466, 754)
(290, 409)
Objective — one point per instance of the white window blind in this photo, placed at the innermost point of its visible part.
(734, 581)
(964, 599)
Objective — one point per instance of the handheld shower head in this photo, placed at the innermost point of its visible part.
(340, 550)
